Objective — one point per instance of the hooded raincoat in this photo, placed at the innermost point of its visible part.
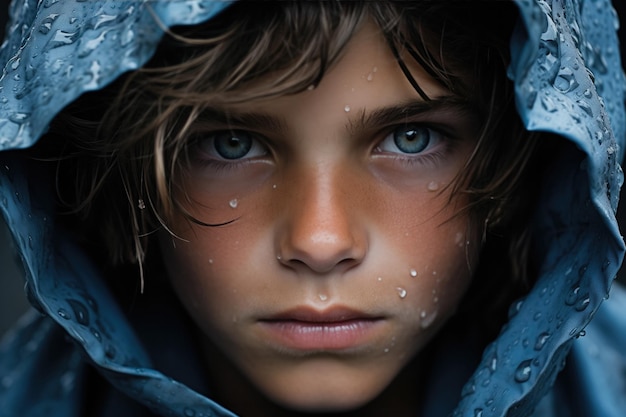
(563, 351)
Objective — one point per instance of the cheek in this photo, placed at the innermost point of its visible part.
(431, 258)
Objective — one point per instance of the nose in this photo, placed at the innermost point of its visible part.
(321, 232)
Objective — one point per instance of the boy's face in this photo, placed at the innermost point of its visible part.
(345, 254)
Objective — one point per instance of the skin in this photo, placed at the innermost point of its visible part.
(327, 212)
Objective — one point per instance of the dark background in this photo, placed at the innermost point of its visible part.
(12, 301)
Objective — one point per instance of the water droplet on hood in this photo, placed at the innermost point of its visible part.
(541, 340)
(523, 371)
(565, 80)
(80, 312)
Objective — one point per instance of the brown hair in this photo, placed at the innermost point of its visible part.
(127, 142)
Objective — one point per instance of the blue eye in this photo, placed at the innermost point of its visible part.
(230, 145)
(410, 139)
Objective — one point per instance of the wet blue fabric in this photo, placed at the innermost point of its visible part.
(568, 80)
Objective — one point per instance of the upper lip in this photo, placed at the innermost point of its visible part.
(328, 315)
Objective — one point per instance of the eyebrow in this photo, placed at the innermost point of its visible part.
(366, 120)
(249, 120)
(390, 115)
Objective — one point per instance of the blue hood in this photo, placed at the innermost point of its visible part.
(568, 79)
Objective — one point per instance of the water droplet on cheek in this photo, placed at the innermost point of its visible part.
(413, 273)
(427, 319)
(401, 292)
(379, 279)
(433, 186)
(346, 108)
(323, 297)
(233, 203)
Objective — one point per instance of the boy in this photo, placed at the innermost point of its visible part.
(345, 202)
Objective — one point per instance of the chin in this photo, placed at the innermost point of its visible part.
(330, 393)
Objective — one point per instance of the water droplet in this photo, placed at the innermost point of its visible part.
(585, 107)
(379, 279)
(572, 296)
(141, 204)
(311, 87)
(64, 314)
(587, 93)
(323, 297)
(401, 292)
(370, 76)
(413, 273)
(346, 108)
(523, 371)
(96, 334)
(62, 38)
(427, 319)
(386, 350)
(565, 81)
(110, 352)
(548, 104)
(478, 412)
(189, 412)
(582, 303)
(433, 186)
(541, 340)
(274, 186)
(233, 203)
(80, 312)
(46, 24)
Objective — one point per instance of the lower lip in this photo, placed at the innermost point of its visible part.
(322, 336)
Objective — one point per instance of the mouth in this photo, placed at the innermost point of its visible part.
(335, 329)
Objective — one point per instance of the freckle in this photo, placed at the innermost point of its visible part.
(233, 203)
(413, 273)
(347, 108)
(433, 186)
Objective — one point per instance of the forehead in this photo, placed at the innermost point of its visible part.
(366, 76)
